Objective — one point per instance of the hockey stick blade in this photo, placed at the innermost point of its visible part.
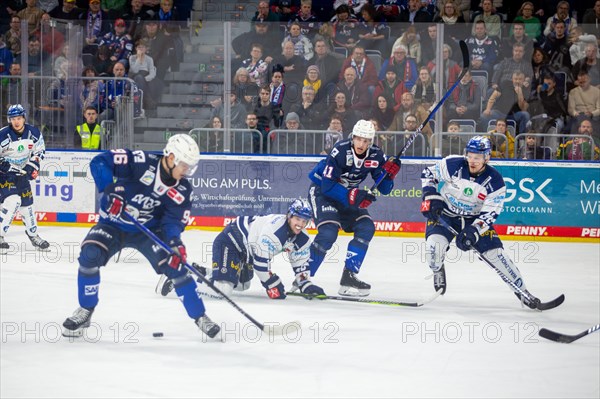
(367, 300)
(551, 304)
(465, 55)
(564, 338)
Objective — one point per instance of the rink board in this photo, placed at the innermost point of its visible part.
(551, 200)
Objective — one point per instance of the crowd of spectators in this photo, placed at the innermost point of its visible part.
(534, 65)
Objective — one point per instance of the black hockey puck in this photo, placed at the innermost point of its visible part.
(157, 334)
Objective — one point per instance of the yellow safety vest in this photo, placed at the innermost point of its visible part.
(89, 140)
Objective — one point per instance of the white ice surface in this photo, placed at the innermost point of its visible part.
(476, 341)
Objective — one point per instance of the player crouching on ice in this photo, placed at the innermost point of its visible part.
(21, 150)
(154, 190)
(249, 243)
(469, 201)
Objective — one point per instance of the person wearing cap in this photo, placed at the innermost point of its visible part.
(313, 78)
(118, 42)
(293, 142)
(68, 11)
(96, 23)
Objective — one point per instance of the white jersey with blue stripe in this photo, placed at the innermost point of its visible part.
(267, 236)
(478, 197)
(18, 149)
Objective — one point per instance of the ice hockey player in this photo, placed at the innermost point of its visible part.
(154, 190)
(339, 202)
(21, 150)
(249, 243)
(468, 194)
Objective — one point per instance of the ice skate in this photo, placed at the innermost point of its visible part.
(73, 326)
(38, 242)
(439, 280)
(350, 285)
(164, 286)
(529, 300)
(207, 326)
(3, 244)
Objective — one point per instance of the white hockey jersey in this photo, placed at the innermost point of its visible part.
(20, 149)
(476, 197)
(267, 236)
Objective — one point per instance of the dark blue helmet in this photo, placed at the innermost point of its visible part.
(14, 111)
(300, 208)
(479, 145)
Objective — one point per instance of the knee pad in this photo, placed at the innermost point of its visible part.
(436, 246)
(364, 229)
(91, 258)
(326, 236)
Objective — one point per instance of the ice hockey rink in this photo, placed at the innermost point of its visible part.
(475, 341)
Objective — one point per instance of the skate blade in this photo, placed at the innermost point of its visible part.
(72, 333)
(351, 291)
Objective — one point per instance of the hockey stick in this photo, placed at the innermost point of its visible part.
(271, 329)
(465, 55)
(564, 338)
(540, 306)
(367, 300)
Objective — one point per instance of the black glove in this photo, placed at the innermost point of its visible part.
(4, 166)
(178, 255)
(432, 206)
(360, 198)
(31, 170)
(306, 286)
(467, 238)
(392, 167)
(274, 287)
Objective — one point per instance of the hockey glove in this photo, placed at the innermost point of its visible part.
(432, 205)
(274, 287)
(4, 166)
(392, 167)
(467, 238)
(115, 206)
(31, 170)
(360, 198)
(178, 255)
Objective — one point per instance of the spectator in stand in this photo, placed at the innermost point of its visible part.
(262, 34)
(499, 147)
(423, 91)
(12, 37)
(355, 5)
(286, 10)
(91, 90)
(256, 66)
(493, 22)
(302, 45)
(584, 99)
(96, 24)
(553, 110)
(118, 42)
(410, 40)
(309, 24)
(391, 88)
(409, 107)
(345, 28)
(245, 90)
(335, 133)
(11, 88)
(237, 117)
(295, 141)
(451, 68)
(578, 42)
(213, 141)
(406, 68)
(518, 62)
(415, 13)
(591, 20)
(390, 9)
(62, 57)
(88, 135)
(519, 36)
(508, 101)
(259, 136)
(115, 88)
(429, 44)
(277, 95)
(69, 11)
(265, 111)
(329, 65)
(113, 8)
(540, 63)
(382, 112)
(340, 108)
(484, 46)
(136, 14)
(562, 14)
(365, 70)
(532, 149)
(32, 14)
(452, 17)
(170, 21)
(465, 100)
(264, 14)
(373, 30)
(311, 114)
(590, 62)
(357, 93)
(294, 66)
(313, 79)
(51, 38)
(102, 62)
(143, 72)
(463, 7)
(38, 62)
(6, 58)
(533, 26)
(580, 148)
(158, 48)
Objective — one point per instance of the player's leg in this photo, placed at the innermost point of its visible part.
(101, 242)
(362, 225)
(8, 211)
(327, 220)
(28, 215)
(492, 249)
(437, 241)
(183, 282)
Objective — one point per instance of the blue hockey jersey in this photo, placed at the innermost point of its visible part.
(151, 201)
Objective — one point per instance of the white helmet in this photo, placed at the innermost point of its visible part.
(185, 149)
(364, 129)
